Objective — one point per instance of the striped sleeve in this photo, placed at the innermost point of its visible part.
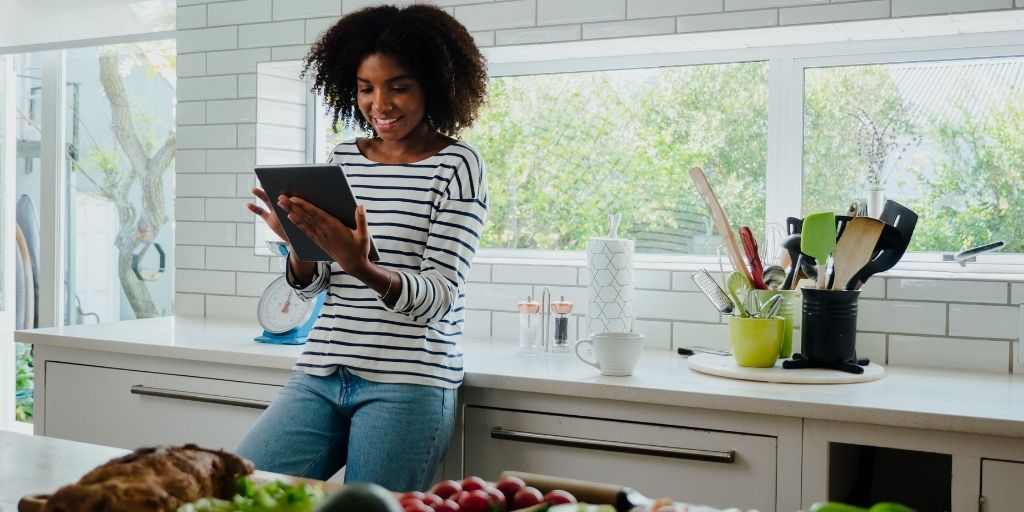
(454, 234)
(321, 278)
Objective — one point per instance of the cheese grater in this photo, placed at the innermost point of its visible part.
(712, 291)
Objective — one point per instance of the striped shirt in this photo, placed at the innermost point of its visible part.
(425, 218)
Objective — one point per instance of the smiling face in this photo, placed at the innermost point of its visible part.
(389, 98)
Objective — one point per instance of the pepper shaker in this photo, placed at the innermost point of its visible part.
(560, 342)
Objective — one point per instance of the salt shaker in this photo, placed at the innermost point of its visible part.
(560, 342)
(530, 326)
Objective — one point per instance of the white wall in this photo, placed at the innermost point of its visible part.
(928, 322)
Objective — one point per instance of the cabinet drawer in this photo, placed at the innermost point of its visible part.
(697, 466)
(129, 409)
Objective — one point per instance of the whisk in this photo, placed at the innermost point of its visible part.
(771, 250)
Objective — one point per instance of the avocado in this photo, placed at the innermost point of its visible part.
(360, 497)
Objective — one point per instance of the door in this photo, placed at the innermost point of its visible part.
(1001, 489)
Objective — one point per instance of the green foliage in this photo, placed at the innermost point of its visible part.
(23, 383)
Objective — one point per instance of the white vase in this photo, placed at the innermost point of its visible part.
(876, 200)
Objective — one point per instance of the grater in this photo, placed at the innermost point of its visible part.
(712, 291)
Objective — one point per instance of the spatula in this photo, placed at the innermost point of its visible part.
(817, 239)
(905, 220)
(721, 221)
(854, 249)
(753, 256)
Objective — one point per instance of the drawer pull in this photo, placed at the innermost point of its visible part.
(725, 457)
(139, 389)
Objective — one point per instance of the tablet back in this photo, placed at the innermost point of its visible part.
(323, 185)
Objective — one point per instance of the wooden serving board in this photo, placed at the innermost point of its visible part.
(725, 366)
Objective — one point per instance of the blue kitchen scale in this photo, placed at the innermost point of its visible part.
(286, 319)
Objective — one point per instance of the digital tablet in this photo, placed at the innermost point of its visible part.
(323, 185)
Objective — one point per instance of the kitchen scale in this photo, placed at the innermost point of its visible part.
(286, 318)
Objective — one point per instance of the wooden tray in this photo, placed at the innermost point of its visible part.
(37, 503)
(725, 366)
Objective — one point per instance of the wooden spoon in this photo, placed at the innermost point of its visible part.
(854, 249)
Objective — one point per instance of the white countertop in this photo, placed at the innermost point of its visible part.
(967, 402)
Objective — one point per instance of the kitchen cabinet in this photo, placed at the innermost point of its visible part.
(1002, 486)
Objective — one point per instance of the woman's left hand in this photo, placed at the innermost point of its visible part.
(350, 248)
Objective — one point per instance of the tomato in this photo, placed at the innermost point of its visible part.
(411, 494)
(446, 488)
(509, 486)
(475, 501)
(473, 483)
(417, 506)
(526, 497)
(432, 500)
(559, 497)
(447, 506)
(409, 500)
(496, 497)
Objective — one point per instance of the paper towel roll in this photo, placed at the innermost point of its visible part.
(610, 294)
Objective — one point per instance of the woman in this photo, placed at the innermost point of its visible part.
(374, 389)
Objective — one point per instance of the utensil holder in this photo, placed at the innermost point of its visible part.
(790, 301)
(828, 333)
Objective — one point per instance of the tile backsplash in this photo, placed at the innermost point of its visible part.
(935, 323)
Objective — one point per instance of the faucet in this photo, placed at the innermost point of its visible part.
(969, 255)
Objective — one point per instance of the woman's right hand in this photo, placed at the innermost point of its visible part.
(268, 214)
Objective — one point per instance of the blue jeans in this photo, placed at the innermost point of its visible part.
(393, 435)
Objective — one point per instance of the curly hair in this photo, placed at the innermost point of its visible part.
(429, 43)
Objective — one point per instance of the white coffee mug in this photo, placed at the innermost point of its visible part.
(617, 353)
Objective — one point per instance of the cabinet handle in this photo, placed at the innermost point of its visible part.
(725, 457)
(139, 389)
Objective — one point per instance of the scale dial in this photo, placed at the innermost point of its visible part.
(280, 308)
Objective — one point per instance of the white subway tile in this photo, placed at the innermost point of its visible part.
(984, 321)
(658, 8)
(952, 353)
(652, 279)
(497, 297)
(727, 21)
(477, 324)
(281, 113)
(296, 52)
(947, 290)
(700, 335)
(207, 39)
(204, 281)
(743, 5)
(317, 26)
(242, 259)
(682, 281)
(235, 61)
(189, 304)
(683, 306)
(925, 7)
(642, 27)
(190, 112)
(873, 289)
(205, 185)
(190, 64)
(278, 33)
(279, 156)
(222, 306)
(657, 335)
(290, 9)
(237, 13)
(190, 17)
(484, 38)
(556, 12)
(207, 136)
(1016, 293)
(204, 233)
(247, 85)
(834, 12)
(207, 88)
(901, 317)
(510, 14)
(192, 2)
(230, 160)
(348, 6)
(231, 111)
(245, 236)
(251, 284)
(533, 274)
(277, 137)
(244, 184)
(228, 210)
(537, 35)
(479, 273)
(870, 345)
(247, 136)
(189, 208)
(190, 256)
(190, 160)
(505, 326)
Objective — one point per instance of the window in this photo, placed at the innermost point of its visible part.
(943, 136)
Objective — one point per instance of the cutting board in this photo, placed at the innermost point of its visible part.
(725, 366)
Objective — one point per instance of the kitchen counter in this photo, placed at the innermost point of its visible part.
(942, 400)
